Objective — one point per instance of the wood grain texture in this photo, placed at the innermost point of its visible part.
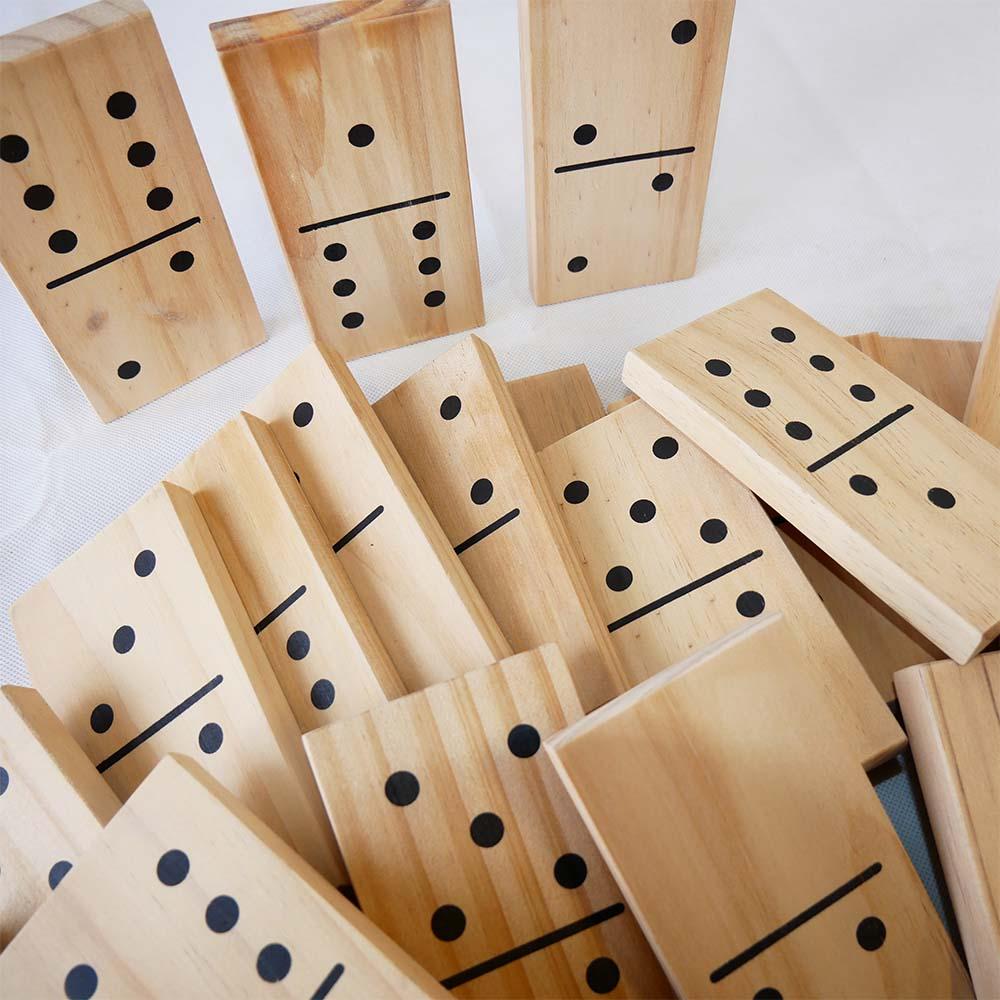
(902, 495)
(54, 804)
(953, 718)
(751, 875)
(489, 832)
(983, 412)
(629, 397)
(556, 403)
(99, 157)
(428, 613)
(678, 554)
(349, 108)
(603, 81)
(457, 428)
(141, 645)
(188, 894)
(319, 640)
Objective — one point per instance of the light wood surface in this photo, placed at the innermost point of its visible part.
(556, 403)
(349, 108)
(457, 428)
(443, 802)
(187, 894)
(320, 642)
(983, 413)
(618, 81)
(677, 554)
(141, 645)
(953, 717)
(428, 613)
(107, 162)
(751, 874)
(629, 397)
(52, 802)
(902, 495)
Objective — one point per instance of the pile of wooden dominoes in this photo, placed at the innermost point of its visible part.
(484, 688)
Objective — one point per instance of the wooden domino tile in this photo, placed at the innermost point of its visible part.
(318, 638)
(141, 645)
(428, 613)
(457, 429)
(556, 403)
(620, 108)
(953, 719)
(751, 874)
(894, 489)
(353, 115)
(678, 554)
(983, 411)
(464, 848)
(53, 804)
(109, 224)
(187, 894)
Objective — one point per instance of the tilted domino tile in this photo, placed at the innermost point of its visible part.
(556, 403)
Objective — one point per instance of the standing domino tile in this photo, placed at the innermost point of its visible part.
(556, 403)
(620, 102)
(109, 224)
(187, 894)
(983, 413)
(902, 495)
(53, 804)
(354, 118)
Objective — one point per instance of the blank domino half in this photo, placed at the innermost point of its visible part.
(899, 493)
(187, 894)
(109, 224)
(751, 875)
(620, 104)
(53, 804)
(953, 718)
(353, 115)
(456, 426)
(141, 645)
(556, 403)
(464, 848)
(678, 554)
(983, 412)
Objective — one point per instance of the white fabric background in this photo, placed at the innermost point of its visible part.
(856, 172)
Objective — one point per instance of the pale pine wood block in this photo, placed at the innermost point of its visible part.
(953, 717)
(464, 848)
(54, 804)
(188, 894)
(677, 554)
(319, 640)
(629, 397)
(556, 403)
(456, 427)
(620, 108)
(353, 115)
(750, 874)
(141, 645)
(428, 613)
(901, 494)
(983, 412)
(109, 224)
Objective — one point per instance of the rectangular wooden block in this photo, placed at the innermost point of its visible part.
(898, 492)
(457, 428)
(319, 640)
(187, 894)
(620, 105)
(428, 613)
(141, 646)
(464, 848)
(353, 115)
(953, 717)
(556, 403)
(983, 411)
(678, 554)
(54, 805)
(752, 875)
(109, 224)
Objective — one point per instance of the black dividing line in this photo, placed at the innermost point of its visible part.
(164, 720)
(328, 984)
(487, 531)
(862, 437)
(685, 590)
(279, 610)
(358, 528)
(368, 212)
(727, 968)
(631, 158)
(523, 950)
(135, 248)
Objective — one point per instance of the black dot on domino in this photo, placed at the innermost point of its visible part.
(798, 430)
(173, 867)
(210, 737)
(642, 511)
(181, 261)
(221, 914)
(713, 531)
(424, 230)
(451, 407)
(576, 492)
(871, 933)
(128, 370)
(13, 148)
(39, 197)
(344, 287)
(821, 363)
(585, 135)
(481, 492)
(121, 105)
(863, 393)
(448, 923)
(402, 788)
(4, 779)
(352, 320)
(783, 335)
(298, 645)
(768, 993)
(141, 154)
(757, 398)
(665, 447)
(63, 241)
(684, 31)
(159, 198)
(274, 962)
(322, 694)
(750, 604)
(102, 718)
(619, 578)
(941, 498)
(577, 264)
(603, 975)
(523, 741)
(570, 871)
(123, 639)
(429, 265)
(58, 872)
(486, 830)
(361, 135)
(661, 182)
(864, 485)
(434, 299)
(335, 251)
(80, 983)
(718, 367)
(302, 414)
